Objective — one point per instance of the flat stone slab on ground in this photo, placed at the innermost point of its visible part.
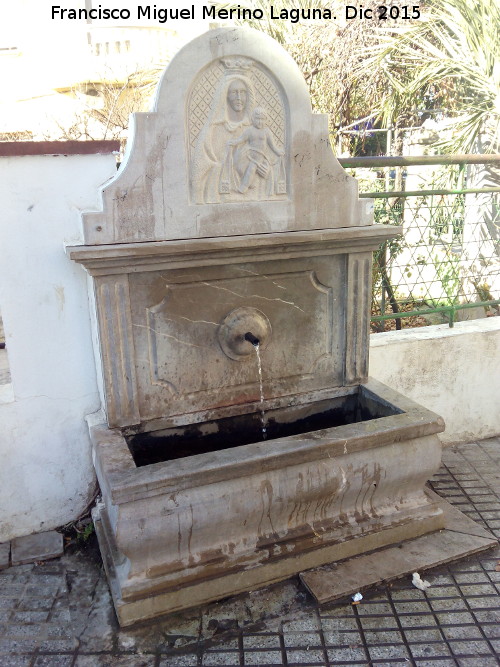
(461, 537)
(4, 555)
(40, 546)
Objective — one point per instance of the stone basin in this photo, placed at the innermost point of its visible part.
(181, 532)
(226, 433)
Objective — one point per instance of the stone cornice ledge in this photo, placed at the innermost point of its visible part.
(149, 256)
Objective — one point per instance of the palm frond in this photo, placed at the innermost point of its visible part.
(454, 51)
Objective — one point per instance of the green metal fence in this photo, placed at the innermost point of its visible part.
(446, 265)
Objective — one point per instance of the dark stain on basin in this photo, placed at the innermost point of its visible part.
(211, 436)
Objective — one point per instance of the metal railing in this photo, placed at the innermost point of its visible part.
(447, 263)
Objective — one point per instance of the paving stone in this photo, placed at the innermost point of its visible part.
(229, 658)
(43, 590)
(49, 568)
(478, 589)
(4, 555)
(21, 631)
(388, 652)
(29, 616)
(301, 625)
(483, 602)
(469, 648)
(443, 593)
(296, 639)
(347, 655)
(17, 646)
(190, 660)
(455, 618)
(483, 661)
(53, 660)
(383, 637)
(29, 603)
(427, 650)
(304, 657)
(423, 634)
(13, 590)
(40, 546)
(341, 624)
(379, 623)
(471, 578)
(18, 575)
(16, 660)
(462, 632)
(59, 645)
(452, 604)
(415, 607)
(492, 632)
(465, 566)
(7, 603)
(370, 608)
(413, 595)
(100, 660)
(59, 615)
(261, 641)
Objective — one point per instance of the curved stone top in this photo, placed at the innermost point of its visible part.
(231, 148)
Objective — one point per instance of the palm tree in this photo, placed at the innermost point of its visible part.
(448, 58)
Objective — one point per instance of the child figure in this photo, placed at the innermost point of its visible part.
(258, 136)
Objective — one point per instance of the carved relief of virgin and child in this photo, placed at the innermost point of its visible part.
(235, 156)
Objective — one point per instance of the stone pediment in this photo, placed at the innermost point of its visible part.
(231, 147)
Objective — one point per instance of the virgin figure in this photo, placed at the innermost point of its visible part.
(229, 116)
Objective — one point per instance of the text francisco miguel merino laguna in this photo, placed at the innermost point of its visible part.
(292, 14)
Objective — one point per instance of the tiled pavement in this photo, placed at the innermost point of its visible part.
(59, 613)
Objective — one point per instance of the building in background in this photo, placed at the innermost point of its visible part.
(80, 79)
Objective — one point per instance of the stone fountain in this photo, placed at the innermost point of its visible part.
(231, 216)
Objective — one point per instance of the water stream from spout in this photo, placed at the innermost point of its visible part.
(262, 411)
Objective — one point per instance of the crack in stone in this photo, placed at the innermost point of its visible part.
(254, 296)
(261, 275)
(181, 317)
(165, 335)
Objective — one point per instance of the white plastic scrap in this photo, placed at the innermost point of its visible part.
(357, 597)
(419, 583)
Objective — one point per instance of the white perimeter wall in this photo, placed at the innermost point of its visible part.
(452, 371)
(46, 475)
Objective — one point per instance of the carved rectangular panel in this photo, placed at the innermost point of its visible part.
(359, 269)
(117, 347)
(178, 317)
